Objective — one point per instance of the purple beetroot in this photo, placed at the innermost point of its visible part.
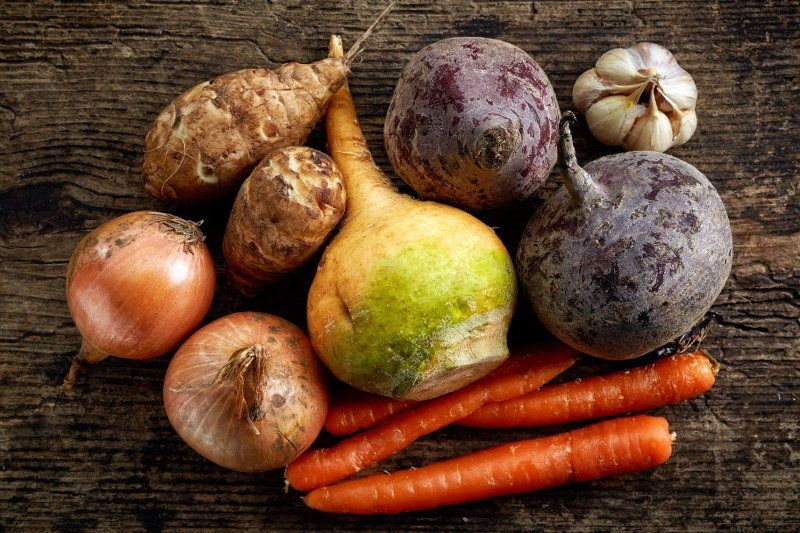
(473, 122)
(628, 255)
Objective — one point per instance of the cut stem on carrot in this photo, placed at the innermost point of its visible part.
(665, 382)
(519, 375)
(609, 448)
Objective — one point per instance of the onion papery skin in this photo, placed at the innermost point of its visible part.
(205, 415)
(139, 284)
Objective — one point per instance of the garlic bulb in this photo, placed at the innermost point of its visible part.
(639, 98)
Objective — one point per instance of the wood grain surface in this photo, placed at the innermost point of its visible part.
(80, 82)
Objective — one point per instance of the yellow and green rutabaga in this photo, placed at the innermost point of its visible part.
(411, 299)
(414, 307)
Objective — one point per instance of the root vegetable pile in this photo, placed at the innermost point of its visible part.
(411, 301)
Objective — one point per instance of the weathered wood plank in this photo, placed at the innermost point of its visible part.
(80, 84)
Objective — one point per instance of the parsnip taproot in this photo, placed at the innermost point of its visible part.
(206, 142)
(411, 299)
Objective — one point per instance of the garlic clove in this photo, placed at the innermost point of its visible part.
(589, 87)
(621, 66)
(611, 118)
(663, 104)
(656, 57)
(652, 132)
(683, 125)
(587, 90)
(680, 89)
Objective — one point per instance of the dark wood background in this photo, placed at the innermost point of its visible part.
(80, 83)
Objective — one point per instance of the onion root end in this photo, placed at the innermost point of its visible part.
(87, 355)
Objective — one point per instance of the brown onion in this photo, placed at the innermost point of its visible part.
(247, 392)
(137, 286)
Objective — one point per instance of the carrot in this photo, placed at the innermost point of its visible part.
(665, 382)
(519, 375)
(609, 448)
(359, 410)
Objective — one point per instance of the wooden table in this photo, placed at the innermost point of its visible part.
(80, 82)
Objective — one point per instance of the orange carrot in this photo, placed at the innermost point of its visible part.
(667, 381)
(609, 448)
(518, 376)
(357, 410)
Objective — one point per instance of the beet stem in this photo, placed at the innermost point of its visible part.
(582, 188)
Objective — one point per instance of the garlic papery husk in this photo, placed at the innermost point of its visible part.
(639, 98)
(680, 89)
